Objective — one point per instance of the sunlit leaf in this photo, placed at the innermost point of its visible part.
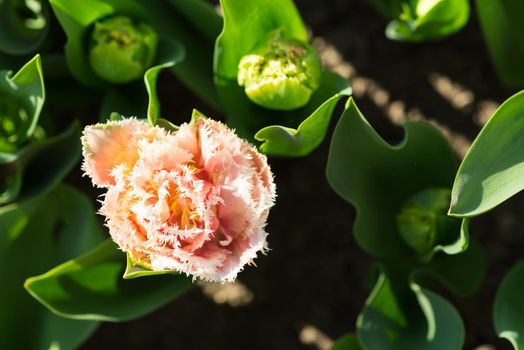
(493, 169)
(285, 141)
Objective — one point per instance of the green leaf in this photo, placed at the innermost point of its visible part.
(347, 342)
(398, 316)
(169, 54)
(39, 166)
(378, 178)
(283, 141)
(503, 29)
(23, 25)
(285, 133)
(493, 169)
(248, 22)
(34, 236)
(428, 19)
(91, 287)
(508, 311)
(21, 99)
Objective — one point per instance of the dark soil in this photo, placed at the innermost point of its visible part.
(315, 274)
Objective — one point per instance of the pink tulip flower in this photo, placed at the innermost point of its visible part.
(195, 200)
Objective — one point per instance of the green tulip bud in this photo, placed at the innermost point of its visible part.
(280, 73)
(121, 50)
(13, 121)
(423, 219)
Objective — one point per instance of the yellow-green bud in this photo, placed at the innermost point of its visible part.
(121, 50)
(13, 118)
(423, 218)
(280, 73)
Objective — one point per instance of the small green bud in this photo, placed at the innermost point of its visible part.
(121, 51)
(280, 73)
(423, 218)
(13, 123)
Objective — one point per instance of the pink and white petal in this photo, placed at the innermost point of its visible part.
(106, 146)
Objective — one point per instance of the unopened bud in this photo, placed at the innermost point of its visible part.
(121, 50)
(280, 73)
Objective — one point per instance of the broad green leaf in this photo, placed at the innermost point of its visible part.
(503, 29)
(39, 166)
(377, 178)
(248, 22)
(169, 54)
(508, 311)
(347, 342)
(34, 236)
(22, 96)
(23, 25)
(285, 133)
(428, 19)
(493, 169)
(402, 316)
(91, 287)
